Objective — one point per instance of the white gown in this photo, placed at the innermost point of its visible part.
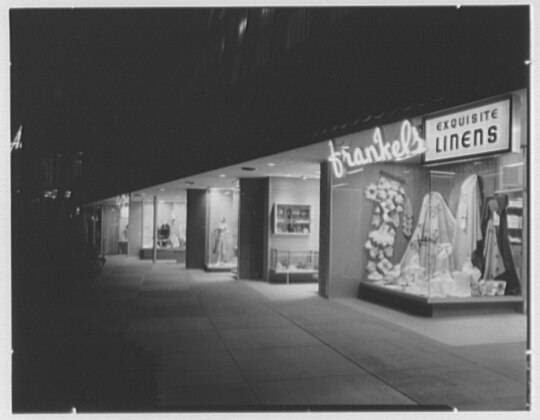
(469, 225)
(432, 237)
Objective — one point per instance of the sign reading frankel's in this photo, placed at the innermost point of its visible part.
(467, 132)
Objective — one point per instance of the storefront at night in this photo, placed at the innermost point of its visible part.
(429, 214)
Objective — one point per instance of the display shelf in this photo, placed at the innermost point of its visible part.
(220, 267)
(292, 219)
(288, 266)
(439, 307)
(514, 217)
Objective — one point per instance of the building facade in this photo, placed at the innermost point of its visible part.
(379, 152)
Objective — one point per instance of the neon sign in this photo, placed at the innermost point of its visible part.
(349, 160)
(16, 144)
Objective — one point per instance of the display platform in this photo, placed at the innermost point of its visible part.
(164, 254)
(223, 268)
(439, 307)
(293, 276)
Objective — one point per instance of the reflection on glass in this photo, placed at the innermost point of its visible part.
(171, 224)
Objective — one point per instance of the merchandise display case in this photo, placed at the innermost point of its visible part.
(465, 245)
(292, 219)
(170, 231)
(439, 229)
(288, 266)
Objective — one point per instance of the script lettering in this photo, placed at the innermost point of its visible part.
(408, 144)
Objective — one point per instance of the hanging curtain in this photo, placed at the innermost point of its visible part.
(468, 230)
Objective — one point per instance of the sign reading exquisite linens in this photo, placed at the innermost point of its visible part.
(484, 129)
(348, 159)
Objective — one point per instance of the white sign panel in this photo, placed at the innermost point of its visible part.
(484, 129)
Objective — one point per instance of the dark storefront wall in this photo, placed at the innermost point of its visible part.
(253, 234)
(196, 228)
(325, 228)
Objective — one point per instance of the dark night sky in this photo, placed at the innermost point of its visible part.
(81, 77)
(109, 82)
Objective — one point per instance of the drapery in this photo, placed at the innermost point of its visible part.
(432, 237)
(468, 231)
(495, 254)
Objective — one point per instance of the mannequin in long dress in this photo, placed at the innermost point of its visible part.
(428, 257)
(468, 230)
(219, 245)
(432, 237)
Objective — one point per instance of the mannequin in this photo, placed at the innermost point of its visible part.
(498, 262)
(431, 240)
(219, 245)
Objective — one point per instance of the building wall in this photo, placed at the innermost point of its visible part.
(253, 231)
(325, 228)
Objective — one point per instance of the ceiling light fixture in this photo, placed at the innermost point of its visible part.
(271, 164)
(222, 175)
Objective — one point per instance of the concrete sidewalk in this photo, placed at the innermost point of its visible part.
(224, 342)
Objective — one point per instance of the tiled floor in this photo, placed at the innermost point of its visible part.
(224, 342)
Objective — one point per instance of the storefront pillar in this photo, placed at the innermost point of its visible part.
(154, 236)
(253, 231)
(134, 233)
(196, 228)
(325, 227)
